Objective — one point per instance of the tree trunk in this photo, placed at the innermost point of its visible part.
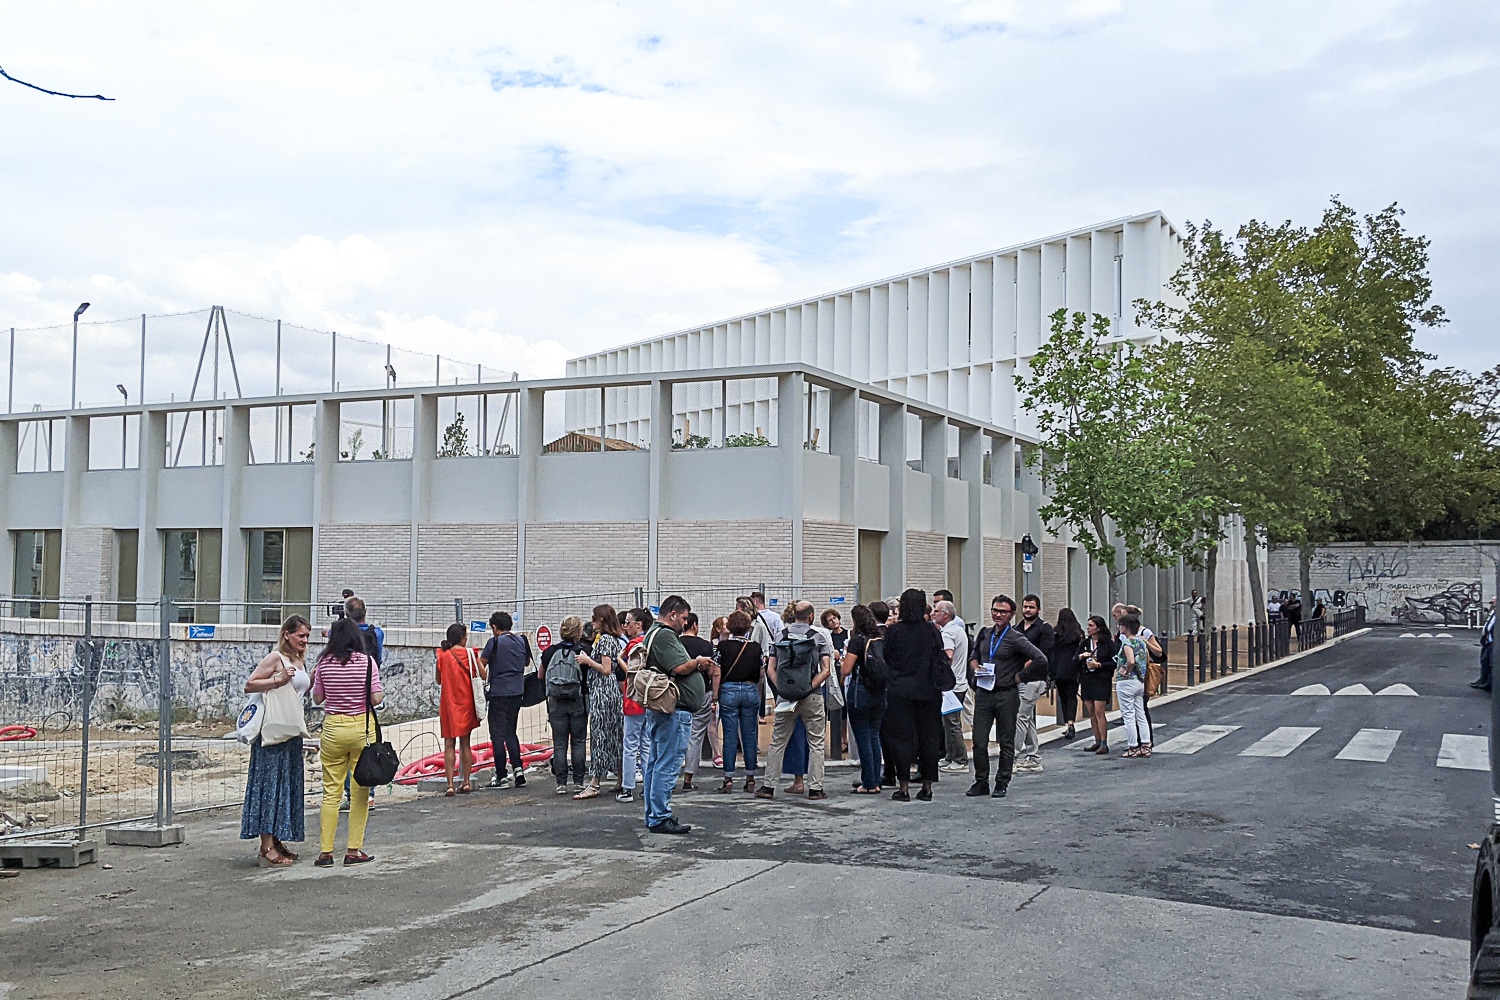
(1304, 578)
(1252, 562)
(1210, 587)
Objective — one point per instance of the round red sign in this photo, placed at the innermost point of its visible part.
(543, 637)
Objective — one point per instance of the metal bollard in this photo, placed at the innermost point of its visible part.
(1234, 657)
(1191, 641)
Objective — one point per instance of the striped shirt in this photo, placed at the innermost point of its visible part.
(341, 686)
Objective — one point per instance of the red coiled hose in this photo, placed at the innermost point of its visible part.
(431, 766)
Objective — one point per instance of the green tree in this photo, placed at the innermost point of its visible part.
(1114, 455)
(455, 439)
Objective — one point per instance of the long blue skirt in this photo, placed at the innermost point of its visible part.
(795, 761)
(273, 792)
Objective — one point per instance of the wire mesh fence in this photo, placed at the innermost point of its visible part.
(208, 354)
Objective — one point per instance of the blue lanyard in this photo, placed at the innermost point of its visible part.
(995, 642)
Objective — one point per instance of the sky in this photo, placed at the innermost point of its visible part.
(514, 184)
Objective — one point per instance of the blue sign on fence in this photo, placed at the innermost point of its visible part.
(655, 609)
(200, 631)
(479, 626)
(773, 602)
(835, 600)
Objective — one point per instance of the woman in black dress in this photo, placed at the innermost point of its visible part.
(1065, 668)
(1097, 658)
(913, 719)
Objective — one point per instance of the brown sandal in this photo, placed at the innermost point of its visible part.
(282, 848)
(727, 786)
(750, 783)
(465, 788)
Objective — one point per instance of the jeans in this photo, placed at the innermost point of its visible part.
(810, 711)
(637, 750)
(953, 736)
(702, 724)
(739, 711)
(865, 721)
(995, 709)
(503, 714)
(1132, 693)
(570, 724)
(1027, 743)
(664, 731)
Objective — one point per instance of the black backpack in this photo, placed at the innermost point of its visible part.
(873, 670)
(796, 664)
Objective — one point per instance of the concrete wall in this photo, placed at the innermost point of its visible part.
(1406, 583)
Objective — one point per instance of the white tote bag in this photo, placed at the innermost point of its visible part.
(481, 703)
(283, 715)
(247, 726)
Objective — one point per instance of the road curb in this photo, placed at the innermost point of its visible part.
(1053, 735)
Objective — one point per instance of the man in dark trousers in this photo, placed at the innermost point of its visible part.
(1028, 743)
(1002, 658)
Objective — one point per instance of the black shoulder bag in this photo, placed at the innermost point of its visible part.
(377, 762)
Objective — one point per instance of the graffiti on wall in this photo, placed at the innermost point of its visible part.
(43, 677)
(1380, 566)
(1450, 606)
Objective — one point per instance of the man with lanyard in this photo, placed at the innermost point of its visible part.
(665, 654)
(1002, 658)
(1041, 635)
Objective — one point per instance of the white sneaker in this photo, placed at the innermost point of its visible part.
(1030, 765)
(562, 789)
(953, 767)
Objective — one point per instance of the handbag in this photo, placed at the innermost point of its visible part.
(941, 671)
(247, 724)
(378, 762)
(534, 691)
(650, 687)
(282, 716)
(481, 703)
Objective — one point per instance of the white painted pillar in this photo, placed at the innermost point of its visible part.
(529, 440)
(791, 433)
(153, 459)
(232, 536)
(424, 444)
(893, 457)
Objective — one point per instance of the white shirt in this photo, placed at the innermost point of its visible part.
(956, 641)
(774, 624)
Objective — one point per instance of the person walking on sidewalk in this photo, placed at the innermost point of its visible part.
(803, 662)
(605, 674)
(505, 656)
(1002, 660)
(1040, 634)
(956, 649)
(567, 709)
(665, 654)
(341, 679)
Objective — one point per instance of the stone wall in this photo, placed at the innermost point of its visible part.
(1405, 583)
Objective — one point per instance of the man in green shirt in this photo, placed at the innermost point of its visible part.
(668, 731)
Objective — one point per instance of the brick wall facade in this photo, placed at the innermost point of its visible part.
(999, 570)
(585, 557)
(926, 560)
(472, 561)
(372, 559)
(1052, 582)
(830, 552)
(88, 562)
(723, 553)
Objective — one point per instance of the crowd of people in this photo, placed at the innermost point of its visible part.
(633, 699)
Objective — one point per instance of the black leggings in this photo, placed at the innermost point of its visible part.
(916, 735)
(1066, 697)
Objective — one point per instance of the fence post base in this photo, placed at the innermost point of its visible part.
(145, 835)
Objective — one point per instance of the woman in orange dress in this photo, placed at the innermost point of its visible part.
(456, 714)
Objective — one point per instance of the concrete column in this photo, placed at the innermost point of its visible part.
(893, 457)
(10, 431)
(75, 464)
(971, 467)
(232, 553)
(791, 433)
(843, 433)
(325, 461)
(661, 448)
(424, 442)
(153, 459)
(529, 436)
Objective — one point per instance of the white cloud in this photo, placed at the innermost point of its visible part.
(511, 184)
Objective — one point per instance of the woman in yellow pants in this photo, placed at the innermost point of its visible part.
(339, 684)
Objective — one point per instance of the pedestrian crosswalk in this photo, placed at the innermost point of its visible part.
(1376, 746)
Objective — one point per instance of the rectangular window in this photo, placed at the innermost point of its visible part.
(478, 424)
(281, 435)
(190, 573)
(37, 572)
(126, 564)
(815, 400)
(278, 574)
(40, 445)
(114, 442)
(750, 412)
(914, 442)
(572, 421)
(698, 415)
(869, 430)
(953, 464)
(375, 430)
(195, 438)
(1020, 464)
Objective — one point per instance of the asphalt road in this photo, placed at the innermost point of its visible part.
(1195, 875)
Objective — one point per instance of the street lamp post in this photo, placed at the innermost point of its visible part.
(124, 422)
(73, 392)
